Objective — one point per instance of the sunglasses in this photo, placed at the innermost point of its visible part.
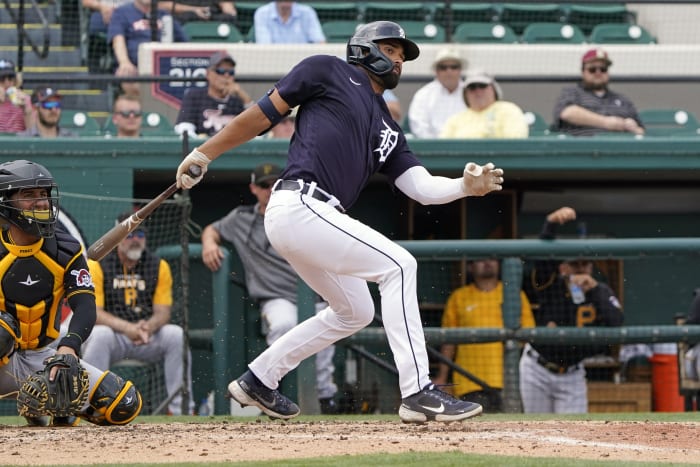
(266, 184)
(474, 86)
(3, 78)
(225, 71)
(51, 105)
(130, 113)
(453, 66)
(137, 234)
(594, 69)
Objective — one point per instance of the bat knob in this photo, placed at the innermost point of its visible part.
(194, 171)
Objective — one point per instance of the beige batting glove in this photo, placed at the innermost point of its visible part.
(479, 180)
(183, 179)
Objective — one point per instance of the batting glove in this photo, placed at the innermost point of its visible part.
(183, 179)
(479, 180)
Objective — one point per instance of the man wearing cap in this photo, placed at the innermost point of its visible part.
(204, 111)
(486, 114)
(441, 98)
(15, 108)
(47, 103)
(133, 294)
(591, 107)
(270, 280)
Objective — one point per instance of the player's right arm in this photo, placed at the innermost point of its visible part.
(211, 251)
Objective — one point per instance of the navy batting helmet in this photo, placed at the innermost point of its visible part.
(362, 47)
(20, 174)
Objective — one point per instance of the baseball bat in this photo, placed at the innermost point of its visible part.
(116, 234)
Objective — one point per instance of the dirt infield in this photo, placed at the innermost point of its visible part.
(268, 440)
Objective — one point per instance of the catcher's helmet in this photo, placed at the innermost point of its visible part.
(16, 175)
(9, 336)
(362, 47)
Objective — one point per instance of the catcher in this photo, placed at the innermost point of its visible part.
(39, 266)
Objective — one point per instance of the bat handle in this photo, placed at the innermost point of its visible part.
(194, 171)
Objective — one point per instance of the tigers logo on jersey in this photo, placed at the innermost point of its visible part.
(389, 139)
(82, 277)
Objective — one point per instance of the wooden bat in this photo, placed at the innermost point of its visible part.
(116, 234)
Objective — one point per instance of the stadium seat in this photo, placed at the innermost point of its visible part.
(339, 31)
(536, 124)
(588, 16)
(611, 33)
(669, 122)
(152, 124)
(519, 15)
(246, 11)
(552, 33)
(79, 122)
(336, 11)
(394, 11)
(424, 31)
(484, 33)
(464, 13)
(206, 31)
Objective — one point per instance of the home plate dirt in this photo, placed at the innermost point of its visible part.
(272, 440)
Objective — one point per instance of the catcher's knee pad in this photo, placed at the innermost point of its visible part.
(113, 401)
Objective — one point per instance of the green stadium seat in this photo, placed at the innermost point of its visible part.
(484, 33)
(336, 11)
(520, 15)
(612, 33)
(669, 122)
(339, 31)
(552, 33)
(210, 31)
(395, 11)
(245, 12)
(80, 122)
(536, 124)
(423, 31)
(152, 124)
(464, 13)
(588, 16)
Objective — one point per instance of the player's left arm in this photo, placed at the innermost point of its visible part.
(608, 308)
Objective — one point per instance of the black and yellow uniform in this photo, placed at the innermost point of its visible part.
(33, 281)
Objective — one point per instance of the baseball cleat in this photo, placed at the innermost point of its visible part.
(44, 420)
(249, 390)
(432, 404)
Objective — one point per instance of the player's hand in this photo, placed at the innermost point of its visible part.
(212, 256)
(479, 180)
(193, 158)
(585, 281)
(561, 215)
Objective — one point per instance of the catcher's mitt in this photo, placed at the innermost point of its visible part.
(62, 397)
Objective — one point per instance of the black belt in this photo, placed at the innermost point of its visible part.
(310, 189)
(551, 366)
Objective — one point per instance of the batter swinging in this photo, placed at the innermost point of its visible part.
(344, 134)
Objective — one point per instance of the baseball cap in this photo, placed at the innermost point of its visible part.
(480, 76)
(265, 172)
(448, 54)
(596, 54)
(219, 57)
(7, 67)
(43, 94)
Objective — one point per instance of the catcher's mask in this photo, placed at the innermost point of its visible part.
(9, 336)
(362, 49)
(21, 174)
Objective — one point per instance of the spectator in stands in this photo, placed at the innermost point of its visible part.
(47, 104)
(270, 280)
(692, 356)
(204, 111)
(486, 114)
(287, 23)
(15, 105)
(133, 293)
(591, 107)
(479, 305)
(553, 377)
(394, 105)
(441, 98)
(129, 27)
(127, 116)
(205, 10)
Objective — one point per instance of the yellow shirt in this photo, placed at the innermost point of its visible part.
(470, 307)
(499, 120)
(161, 296)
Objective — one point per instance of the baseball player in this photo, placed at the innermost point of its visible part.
(40, 265)
(552, 377)
(270, 280)
(344, 134)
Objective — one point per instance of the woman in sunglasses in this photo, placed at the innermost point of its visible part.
(47, 103)
(486, 116)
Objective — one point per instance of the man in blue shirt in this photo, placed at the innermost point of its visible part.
(344, 134)
(287, 23)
